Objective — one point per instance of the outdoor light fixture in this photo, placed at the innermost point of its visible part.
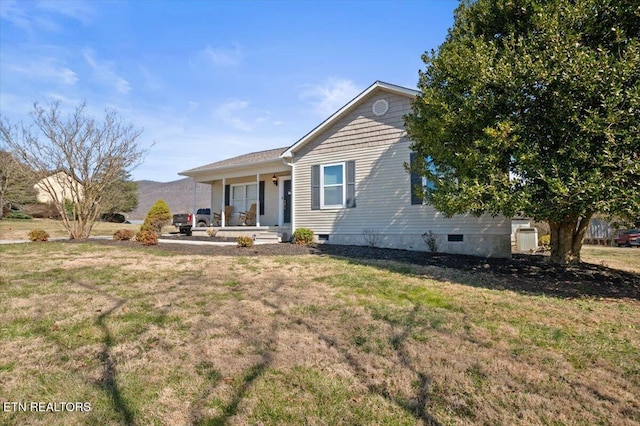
(274, 179)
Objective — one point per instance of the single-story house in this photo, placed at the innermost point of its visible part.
(61, 185)
(346, 180)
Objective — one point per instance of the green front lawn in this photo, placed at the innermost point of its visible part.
(151, 339)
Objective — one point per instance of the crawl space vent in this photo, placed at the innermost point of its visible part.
(380, 107)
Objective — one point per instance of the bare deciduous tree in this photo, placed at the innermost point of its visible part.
(75, 158)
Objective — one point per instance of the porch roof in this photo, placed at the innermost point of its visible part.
(244, 160)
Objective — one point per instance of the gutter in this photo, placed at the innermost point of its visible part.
(188, 173)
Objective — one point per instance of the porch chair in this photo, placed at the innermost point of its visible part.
(249, 216)
(217, 217)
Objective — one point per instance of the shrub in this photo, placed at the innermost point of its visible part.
(123, 235)
(38, 235)
(544, 242)
(147, 238)
(303, 236)
(244, 241)
(371, 236)
(157, 217)
(212, 232)
(18, 215)
(68, 209)
(431, 241)
(42, 210)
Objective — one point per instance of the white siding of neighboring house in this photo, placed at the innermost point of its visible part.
(380, 148)
(61, 184)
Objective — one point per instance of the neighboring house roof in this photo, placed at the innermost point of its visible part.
(241, 160)
(378, 85)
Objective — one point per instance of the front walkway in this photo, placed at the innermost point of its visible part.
(207, 243)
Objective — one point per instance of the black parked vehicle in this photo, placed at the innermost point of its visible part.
(112, 217)
(184, 221)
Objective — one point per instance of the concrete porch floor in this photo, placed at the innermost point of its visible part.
(258, 233)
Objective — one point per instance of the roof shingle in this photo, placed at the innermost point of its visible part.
(244, 159)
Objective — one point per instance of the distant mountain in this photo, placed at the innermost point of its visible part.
(177, 194)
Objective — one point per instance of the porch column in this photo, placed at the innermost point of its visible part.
(195, 207)
(222, 215)
(293, 198)
(258, 199)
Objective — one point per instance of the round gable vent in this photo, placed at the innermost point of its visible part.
(380, 107)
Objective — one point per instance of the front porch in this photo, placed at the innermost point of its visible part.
(254, 189)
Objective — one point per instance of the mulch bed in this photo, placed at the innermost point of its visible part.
(531, 274)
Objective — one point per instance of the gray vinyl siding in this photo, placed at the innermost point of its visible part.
(379, 147)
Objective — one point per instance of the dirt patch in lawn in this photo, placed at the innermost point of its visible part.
(529, 274)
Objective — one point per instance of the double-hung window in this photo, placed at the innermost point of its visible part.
(332, 192)
(333, 185)
(421, 185)
(242, 196)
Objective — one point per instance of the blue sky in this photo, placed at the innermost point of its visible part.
(209, 80)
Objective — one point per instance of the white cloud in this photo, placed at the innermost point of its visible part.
(237, 114)
(43, 16)
(122, 85)
(10, 11)
(104, 71)
(222, 57)
(331, 95)
(88, 56)
(49, 69)
(79, 10)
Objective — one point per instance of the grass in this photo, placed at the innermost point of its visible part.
(624, 258)
(12, 229)
(149, 339)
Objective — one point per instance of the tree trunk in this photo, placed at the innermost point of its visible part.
(567, 237)
(578, 235)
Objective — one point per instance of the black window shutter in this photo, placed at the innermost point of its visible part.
(351, 184)
(315, 187)
(416, 180)
(227, 193)
(261, 197)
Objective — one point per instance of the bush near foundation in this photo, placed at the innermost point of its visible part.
(303, 236)
(544, 242)
(244, 241)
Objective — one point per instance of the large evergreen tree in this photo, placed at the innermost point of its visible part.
(534, 106)
(16, 182)
(121, 196)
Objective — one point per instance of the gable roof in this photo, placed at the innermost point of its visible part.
(378, 85)
(251, 158)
